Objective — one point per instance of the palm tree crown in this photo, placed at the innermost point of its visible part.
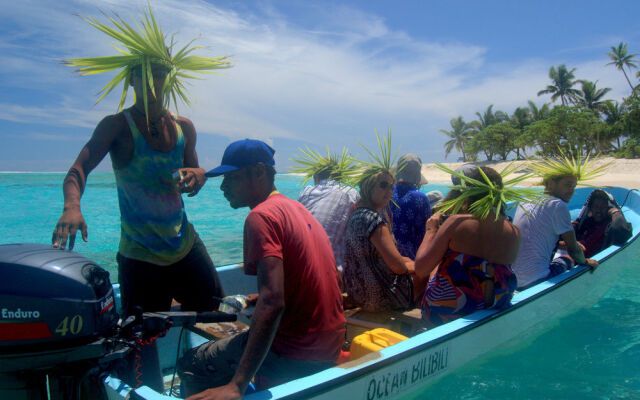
(536, 113)
(562, 85)
(621, 59)
(591, 97)
(489, 117)
(459, 135)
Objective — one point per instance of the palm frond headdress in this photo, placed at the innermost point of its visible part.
(143, 48)
(583, 169)
(481, 197)
(339, 167)
(378, 162)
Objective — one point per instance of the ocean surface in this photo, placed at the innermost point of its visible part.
(591, 354)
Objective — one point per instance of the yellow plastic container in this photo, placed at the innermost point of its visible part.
(374, 340)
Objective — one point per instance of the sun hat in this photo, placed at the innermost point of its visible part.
(410, 170)
(244, 153)
(466, 169)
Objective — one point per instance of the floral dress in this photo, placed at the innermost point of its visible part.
(458, 287)
(367, 279)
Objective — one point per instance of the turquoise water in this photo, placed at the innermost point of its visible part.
(591, 354)
(32, 204)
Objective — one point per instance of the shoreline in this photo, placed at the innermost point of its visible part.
(621, 172)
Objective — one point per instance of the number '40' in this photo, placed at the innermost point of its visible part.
(73, 325)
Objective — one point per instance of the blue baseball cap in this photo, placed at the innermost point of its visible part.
(244, 153)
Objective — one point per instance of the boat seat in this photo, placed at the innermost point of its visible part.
(407, 323)
(219, 330)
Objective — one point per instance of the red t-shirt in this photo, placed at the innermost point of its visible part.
(312, 326)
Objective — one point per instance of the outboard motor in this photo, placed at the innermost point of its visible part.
(56, 308)
(60, 333)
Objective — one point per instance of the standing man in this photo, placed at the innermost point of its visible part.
(298, 325)
(154, 159)
(542, 225)
(410, 207)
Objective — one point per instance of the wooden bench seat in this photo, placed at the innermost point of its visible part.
(219, 330)
(407, 323)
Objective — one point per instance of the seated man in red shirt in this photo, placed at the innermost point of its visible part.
(600, 224)
(298, 326)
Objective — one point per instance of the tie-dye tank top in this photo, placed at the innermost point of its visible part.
(154, 225)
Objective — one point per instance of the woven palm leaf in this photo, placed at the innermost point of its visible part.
(583, 169)
(383, 161)
(341, 167)
(145, 47)
(493, 198)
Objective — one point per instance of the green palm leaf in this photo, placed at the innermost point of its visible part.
(492, 198)
(383, 161)
(144, 45)
(583, 169)
(341, 167)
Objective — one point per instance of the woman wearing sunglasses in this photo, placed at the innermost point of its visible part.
(376, 276)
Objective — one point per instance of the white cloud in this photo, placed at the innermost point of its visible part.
(329, 82)
(58, 115)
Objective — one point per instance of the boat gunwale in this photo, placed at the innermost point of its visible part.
(485, 317)
(344, 375)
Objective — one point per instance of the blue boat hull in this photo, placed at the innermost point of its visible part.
(410, 366)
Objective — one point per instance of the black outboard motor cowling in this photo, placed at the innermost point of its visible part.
(51, 298)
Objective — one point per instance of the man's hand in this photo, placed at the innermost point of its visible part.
(67, 227)
(592, 264)
(226, 392)
(192, 180)
(614, 212)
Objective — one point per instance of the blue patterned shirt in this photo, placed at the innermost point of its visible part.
(409, 221)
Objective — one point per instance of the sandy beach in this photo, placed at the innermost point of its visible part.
(620, 172)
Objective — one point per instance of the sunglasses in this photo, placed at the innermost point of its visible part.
(384, 185)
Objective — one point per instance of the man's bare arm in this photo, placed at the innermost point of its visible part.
(575, 251)
(73, 186)
(193, 177)
(264, 324)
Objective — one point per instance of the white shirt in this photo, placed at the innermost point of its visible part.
(540, 230)
(331, 204)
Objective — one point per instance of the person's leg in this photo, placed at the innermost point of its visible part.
(211, 364)
(196, 283)
(144, 285)
(560, 265)
(276, 370)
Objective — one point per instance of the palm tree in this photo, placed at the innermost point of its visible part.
(614, 114)
(621, 59)
(489, 118)
(591, 97)
(562, 84)
(538, 114)
(459, 135)
(485, 120)
(520, 118)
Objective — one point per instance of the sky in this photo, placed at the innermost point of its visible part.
(307, 73)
